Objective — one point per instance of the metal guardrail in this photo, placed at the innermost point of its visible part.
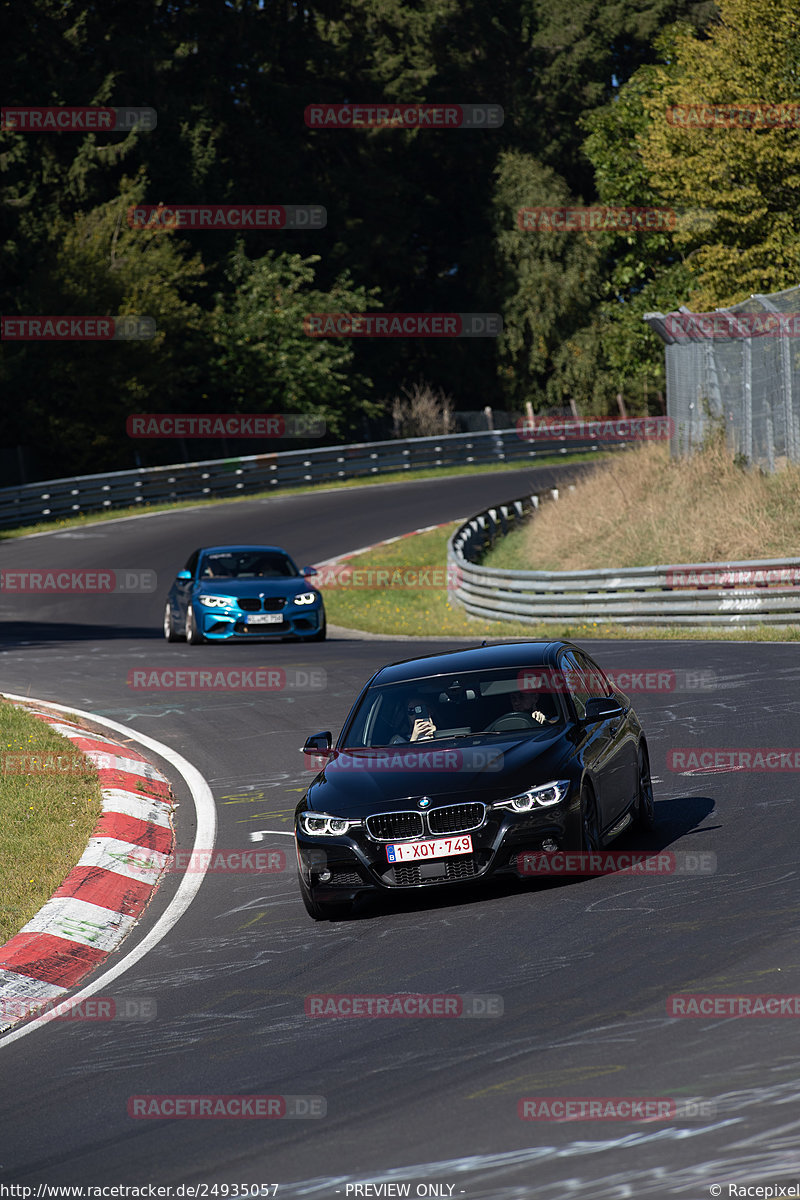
(629, 595)
(220, 478)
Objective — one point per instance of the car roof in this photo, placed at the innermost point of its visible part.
(237, 546)
(476, 658)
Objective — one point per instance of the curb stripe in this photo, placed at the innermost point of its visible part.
(128, 896)
(144, 808)
(50, 959)
(123, 828)
(104, 895)
(126, 782)
(124, 858)
(81, 921)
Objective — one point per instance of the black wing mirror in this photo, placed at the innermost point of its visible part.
(602, 708)
(318, 743)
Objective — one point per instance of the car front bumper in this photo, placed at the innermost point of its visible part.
(341, 868)
(224, 625)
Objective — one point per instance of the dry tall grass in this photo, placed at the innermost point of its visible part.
(643, 508)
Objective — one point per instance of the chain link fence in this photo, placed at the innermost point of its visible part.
(738, 367)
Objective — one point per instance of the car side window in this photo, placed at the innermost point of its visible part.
(576, 683)
(595, 681)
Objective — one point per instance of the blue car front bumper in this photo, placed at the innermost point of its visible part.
(232, 624)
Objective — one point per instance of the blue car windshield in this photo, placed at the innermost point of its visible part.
(476, 703)
(246, 564)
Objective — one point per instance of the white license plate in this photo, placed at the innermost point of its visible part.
(421, 851)
(265, 619)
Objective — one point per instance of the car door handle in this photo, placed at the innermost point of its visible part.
(614, 728)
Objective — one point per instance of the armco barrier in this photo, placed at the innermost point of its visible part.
(219, 478)
(630, 595)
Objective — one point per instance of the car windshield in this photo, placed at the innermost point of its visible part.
(246, 564)
(473, 704)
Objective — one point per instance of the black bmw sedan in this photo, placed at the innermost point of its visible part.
(454, 767)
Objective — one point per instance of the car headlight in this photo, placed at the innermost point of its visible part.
(538, 797)
(305, 598)
(216, 601)
(322, 825)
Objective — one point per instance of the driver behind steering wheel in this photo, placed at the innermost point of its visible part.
(528, 703)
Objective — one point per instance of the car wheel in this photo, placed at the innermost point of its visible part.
(590, 821)
(321, 912)
(645, 807)
(193, 635)
(170, 632)
(321, 634)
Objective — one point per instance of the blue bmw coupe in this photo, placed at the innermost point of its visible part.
(237, 593)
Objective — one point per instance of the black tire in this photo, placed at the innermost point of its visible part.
(193, 635)
(590, 822)
(645, 807)
(321, 634)
(321, 912)
(170, 632)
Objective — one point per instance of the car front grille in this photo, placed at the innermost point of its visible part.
(395, 826)
(268, 604)
(456, 818)
(456, 869)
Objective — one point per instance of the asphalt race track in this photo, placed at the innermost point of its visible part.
(583, 968)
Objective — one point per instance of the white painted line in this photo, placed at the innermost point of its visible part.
(258, 834)
(190, 881)
(79, 921)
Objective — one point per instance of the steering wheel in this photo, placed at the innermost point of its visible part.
(511, 721)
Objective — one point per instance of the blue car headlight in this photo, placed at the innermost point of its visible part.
(305, 597)
(323, 825)
(216, 601)
(542, 796)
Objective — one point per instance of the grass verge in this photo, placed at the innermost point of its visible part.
(91, 518)
(425, 611)
(50, 803)
(646, 508)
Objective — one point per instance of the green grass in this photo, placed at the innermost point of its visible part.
(415, 611)
(47, 816)
(114, 514)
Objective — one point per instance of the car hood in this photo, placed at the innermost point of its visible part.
(359, 782)
(290, 585)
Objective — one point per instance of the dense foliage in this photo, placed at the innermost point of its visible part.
(417, 220)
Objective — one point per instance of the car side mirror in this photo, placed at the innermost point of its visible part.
(601, 708)
(318, 743)
(309, 571)
(184, 575)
